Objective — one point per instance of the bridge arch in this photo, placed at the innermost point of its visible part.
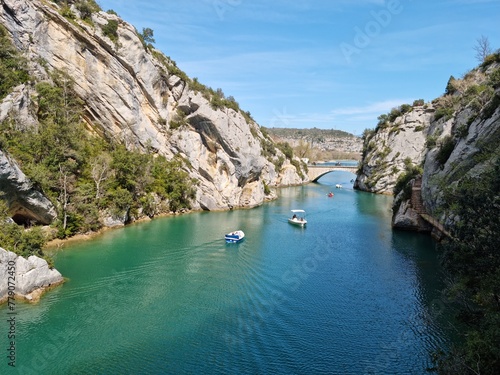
(315, 172)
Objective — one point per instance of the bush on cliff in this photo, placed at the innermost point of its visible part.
(12, 66)
(411, 171)
(472, 259)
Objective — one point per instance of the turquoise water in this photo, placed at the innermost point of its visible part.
(345, 295)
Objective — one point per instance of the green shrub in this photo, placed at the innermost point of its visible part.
(445, 149)
(431, 141)
(490, 59)
(418, 103)
(491, 107)
(146, 37)
(267, 148)
(450, 88)
(383, 121)
(178, 120)
(395, 113)
(405, 108)
(86, 8)
(13, 67)
(286, 149)
(278, 163)
(495, 78)
(66, 12)
(296, 164)
(196, 86)
(402, 183)
(248, 116)
(267, 190)
(447, 113)
(462, 130)
(111, 30)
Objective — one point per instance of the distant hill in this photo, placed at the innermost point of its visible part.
(319, 144)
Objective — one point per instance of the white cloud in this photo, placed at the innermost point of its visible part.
(373, 108)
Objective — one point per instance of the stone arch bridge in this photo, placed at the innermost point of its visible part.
(315, 172)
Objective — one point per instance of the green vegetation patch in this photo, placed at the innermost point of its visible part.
(111, 30)
(13, 67)
(411, 171)
(445, 149)
(472, 261)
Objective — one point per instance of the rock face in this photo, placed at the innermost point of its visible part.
(32, 276)
(25, 202)
(133, 94)
(471, 152)
(390, 145)
(455, 137)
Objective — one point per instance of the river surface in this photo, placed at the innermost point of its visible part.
(345, 295)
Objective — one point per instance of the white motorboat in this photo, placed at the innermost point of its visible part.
(298, 218)
(235, 236)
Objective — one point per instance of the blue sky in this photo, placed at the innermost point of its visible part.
(334, 64)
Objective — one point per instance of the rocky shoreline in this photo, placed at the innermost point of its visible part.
(25, 279)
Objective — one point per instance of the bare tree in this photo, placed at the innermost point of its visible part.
(64, 193)
(482, 48)
(101, 170)
(303, 149)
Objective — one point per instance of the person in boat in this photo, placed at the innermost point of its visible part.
(294, 216)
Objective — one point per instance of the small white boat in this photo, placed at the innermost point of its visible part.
(338, 186)
(235, 236)
(298, 218)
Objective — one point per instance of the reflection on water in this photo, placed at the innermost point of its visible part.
(345, 295)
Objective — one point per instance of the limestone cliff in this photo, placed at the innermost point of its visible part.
(136, 95)
(434, 146)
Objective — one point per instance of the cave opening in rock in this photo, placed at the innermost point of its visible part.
(23, 220)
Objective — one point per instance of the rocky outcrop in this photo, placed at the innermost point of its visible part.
(26, 204)
(388, 149)
(134, 95)
(29, 277)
